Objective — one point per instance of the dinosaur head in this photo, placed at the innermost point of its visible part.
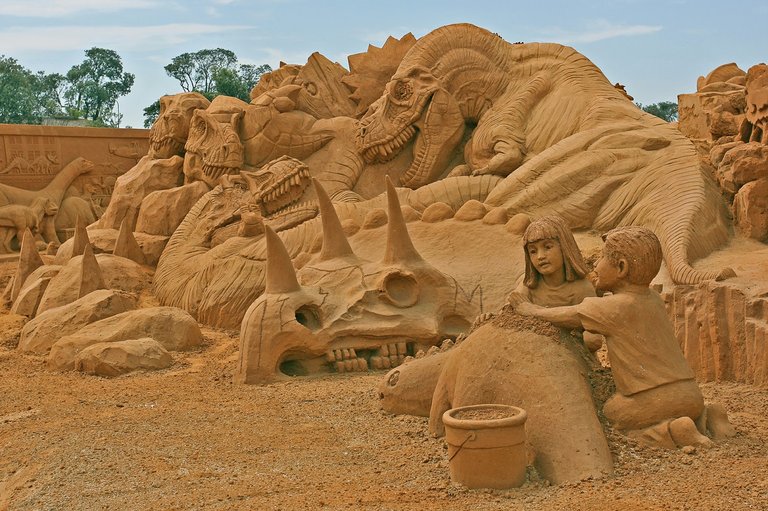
(343, 313)
(171, 129)
(213, 147)
(415, 106)
(277, 184)
(757, 94)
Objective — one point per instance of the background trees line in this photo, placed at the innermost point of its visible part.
(90, 90)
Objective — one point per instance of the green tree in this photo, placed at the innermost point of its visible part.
(93, 87)
(151, 113)
(18, 104)
(211, 72)
(239, 82)
(666, 110)
(196, 71)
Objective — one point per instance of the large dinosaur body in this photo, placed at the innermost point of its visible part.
(566, 140)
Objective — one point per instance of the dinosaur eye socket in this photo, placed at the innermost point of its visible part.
(400, 289)
(309, 316)
(402, 90)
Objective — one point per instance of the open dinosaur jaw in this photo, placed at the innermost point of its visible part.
(166, 146)
(286, 191)
(356, 356)
(389, 148)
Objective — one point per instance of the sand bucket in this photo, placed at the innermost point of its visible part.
(486, 445)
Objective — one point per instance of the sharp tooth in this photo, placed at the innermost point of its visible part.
(345, 354)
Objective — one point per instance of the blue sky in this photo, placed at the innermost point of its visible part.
(657, 49)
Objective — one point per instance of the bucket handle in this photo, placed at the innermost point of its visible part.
(471, 436)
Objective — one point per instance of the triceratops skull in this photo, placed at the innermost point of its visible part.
(343, 313)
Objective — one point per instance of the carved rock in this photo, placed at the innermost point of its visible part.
(437, 212)
(162, 211)
(121, 357)
(118, 273)
(48, 327)
(750, 209)
(32, 292)
(173, 328)
(471, 210)
(723, 331)
(149, 175)
(103, 242)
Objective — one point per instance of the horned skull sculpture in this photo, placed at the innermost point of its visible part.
(343, 313)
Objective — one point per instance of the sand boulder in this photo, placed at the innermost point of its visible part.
(121, 357)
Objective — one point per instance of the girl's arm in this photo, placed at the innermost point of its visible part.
(560, 316)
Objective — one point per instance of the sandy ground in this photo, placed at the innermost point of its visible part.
(188, 438)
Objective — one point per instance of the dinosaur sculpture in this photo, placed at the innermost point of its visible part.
(15, 219)
(554, 137)
(214, 274)
(755, 125)
(54, 191)
(546, 117)
(170, 131)
(347, 313)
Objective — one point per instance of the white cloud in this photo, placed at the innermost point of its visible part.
(66, 38)
(58, 8)
(600, 31)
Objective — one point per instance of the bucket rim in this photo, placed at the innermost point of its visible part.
(517, 416)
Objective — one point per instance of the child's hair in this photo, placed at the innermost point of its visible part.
(553, 227)
(641, 249)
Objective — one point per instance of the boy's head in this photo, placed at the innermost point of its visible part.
(634, 252)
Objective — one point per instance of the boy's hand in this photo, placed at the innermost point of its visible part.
(527, 309)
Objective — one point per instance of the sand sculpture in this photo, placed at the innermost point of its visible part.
(655, 387)
(15, 219)
(610, 163)
(53, 192)
(342, 312)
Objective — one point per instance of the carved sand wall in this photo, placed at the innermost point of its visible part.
(723, 330)
(31, 158)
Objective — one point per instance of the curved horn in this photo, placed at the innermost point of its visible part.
(399, 245)
(335, 243)
(281, 277)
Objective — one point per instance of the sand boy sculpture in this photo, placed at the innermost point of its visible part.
(656, 393)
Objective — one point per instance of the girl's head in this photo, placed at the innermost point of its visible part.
(552, 228)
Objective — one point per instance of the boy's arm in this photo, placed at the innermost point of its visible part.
(561, 316)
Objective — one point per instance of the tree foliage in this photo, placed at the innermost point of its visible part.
(94, 86)
(211, 72)
(89, 90)
(666, 110)
(196, 71)
(18, 104)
